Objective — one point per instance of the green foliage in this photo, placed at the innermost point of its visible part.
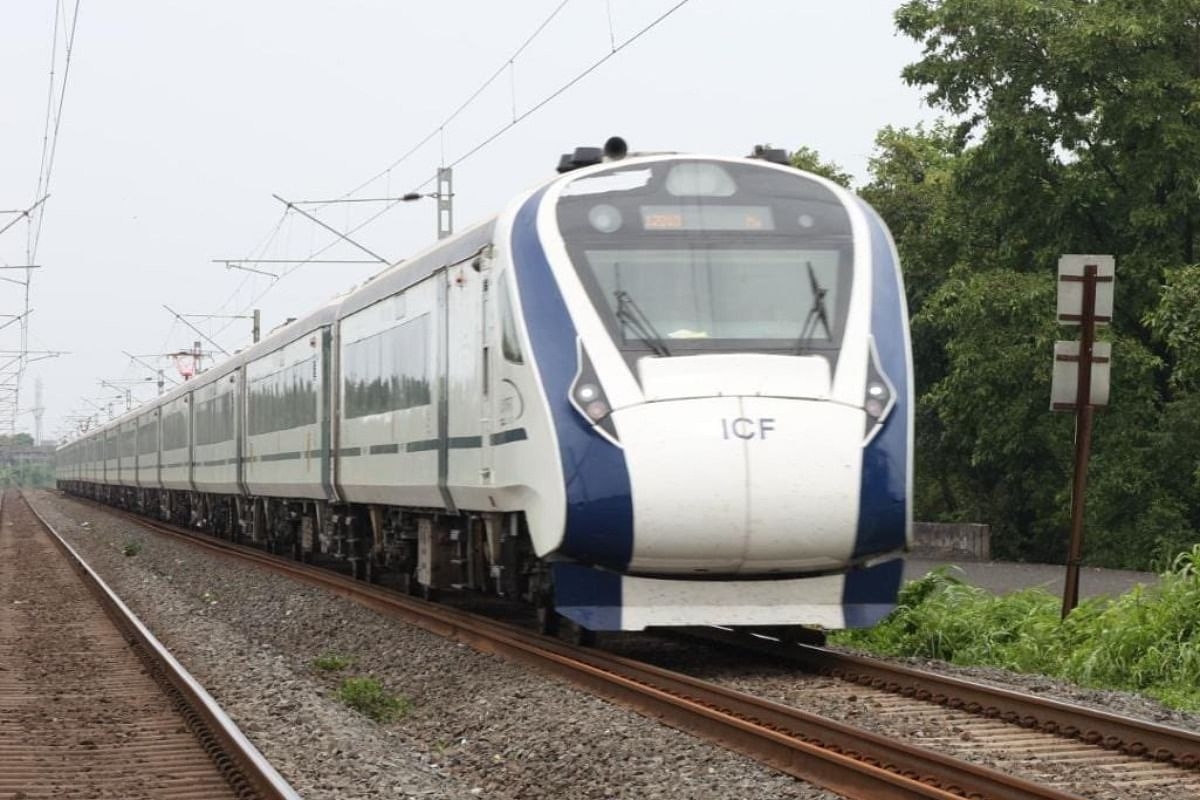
(17, 439)
(1147, 640)
(1176, 322)
(332, 662)
(367, 696)
(1071, 128)
(810, 160)
(131, 548)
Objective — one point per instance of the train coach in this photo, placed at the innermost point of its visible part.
(660, 390)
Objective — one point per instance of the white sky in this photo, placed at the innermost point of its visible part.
(181, 120)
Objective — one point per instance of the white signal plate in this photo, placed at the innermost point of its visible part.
(1071, 269)
(1065, 383)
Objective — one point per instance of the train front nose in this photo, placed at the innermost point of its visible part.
(742, 485)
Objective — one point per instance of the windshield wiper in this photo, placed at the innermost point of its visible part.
(816, 314)
(629, 313)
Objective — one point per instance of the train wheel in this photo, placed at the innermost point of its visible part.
(577, 634)
(548, 619)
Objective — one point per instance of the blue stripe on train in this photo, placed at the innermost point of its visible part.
(599, 524)
(882, 511)
(870, 594)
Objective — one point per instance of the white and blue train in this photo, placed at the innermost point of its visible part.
(658, 390)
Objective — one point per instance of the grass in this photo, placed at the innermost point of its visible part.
(1146, 640)
(131, 548)
(332, 662)
(367, 696)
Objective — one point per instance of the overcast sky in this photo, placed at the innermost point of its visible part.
(182, 119)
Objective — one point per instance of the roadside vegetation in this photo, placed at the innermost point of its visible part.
(1147, 640)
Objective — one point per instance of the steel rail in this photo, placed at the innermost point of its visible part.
(1092, 726)
(847, 760)
(247, 771)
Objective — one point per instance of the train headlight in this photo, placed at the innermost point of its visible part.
(587, 397)
(597, 410)
(879, 397)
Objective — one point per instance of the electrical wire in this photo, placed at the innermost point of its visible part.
(44, 186)
(462, 107)
(483, 143)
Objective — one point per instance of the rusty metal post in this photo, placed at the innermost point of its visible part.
(1083, 437)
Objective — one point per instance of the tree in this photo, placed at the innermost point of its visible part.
(17, 440)
(810, 160)
(1071, 127)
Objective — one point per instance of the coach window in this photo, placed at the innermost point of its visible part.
(509, 343)
(388, 371)
(284, 399)
(175, 432)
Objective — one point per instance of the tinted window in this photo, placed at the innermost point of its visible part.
(175, 433)
(388, 371)
(129, 442)
(147, 437)
(711, 256)
(214, 419)
(284, 399)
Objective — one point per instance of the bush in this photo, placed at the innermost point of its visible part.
(332, 662)
(367, 696)
(1147, 640)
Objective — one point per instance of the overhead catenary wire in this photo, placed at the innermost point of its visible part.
(440, 128)
(560, 90)
(56, 94)
(48, 155)
(437, 131)
(483, 143)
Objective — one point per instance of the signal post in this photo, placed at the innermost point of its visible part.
(1081, 380)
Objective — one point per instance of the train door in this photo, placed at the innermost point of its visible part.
(464, 384)
(487, 364)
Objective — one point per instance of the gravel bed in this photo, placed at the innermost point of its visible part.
(477, 726)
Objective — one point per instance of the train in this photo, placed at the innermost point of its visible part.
(660, 390)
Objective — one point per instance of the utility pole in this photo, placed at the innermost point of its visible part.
(445, 201)
(38, 410)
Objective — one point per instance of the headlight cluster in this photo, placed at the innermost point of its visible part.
(592, 401)
(879, 396)
(587, 396)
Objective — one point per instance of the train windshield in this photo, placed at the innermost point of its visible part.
(698, 256)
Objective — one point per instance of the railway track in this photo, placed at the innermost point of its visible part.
(969, 716)
(91, 705)
(845, 759)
